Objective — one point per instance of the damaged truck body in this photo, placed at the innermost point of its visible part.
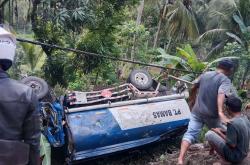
(91, 124)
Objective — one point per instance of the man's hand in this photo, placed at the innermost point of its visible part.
(248, 106)
(220, 132)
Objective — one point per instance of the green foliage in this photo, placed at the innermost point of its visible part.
(234, 49)
(81, 83)
(185, 58)
(212, 34)
(240, 22)
(181, 22)
(109, 28)
(202, 134)
(59, 90)
(188, 54)
(220, 14)
(245, 11)
(89, 27)
(129, 34)
(32, 55)
(171, 61)
(55, 69)
(243, 94)
(96, 43)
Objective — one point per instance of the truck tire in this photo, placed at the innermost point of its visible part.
(39, 86)
(141, 79)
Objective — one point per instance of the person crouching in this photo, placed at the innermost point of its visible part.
(232, 144)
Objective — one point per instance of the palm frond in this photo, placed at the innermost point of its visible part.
(32, 55)
(220, 14)
(222, 58)
(234, 36)
(182, 23)
(240, 22)
(211, 34)
(216, 49)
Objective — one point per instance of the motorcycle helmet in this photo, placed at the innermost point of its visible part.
(7, 48)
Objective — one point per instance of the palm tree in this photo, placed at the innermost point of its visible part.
(32, 55)
(186, 58)
(234, 25)
(181, 22)
(226, 23)
(176, 21)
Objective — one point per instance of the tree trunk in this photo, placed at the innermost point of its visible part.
(9, 13)
(33, 15)
(162, 16)
(96, 78)
(16, 13)
(138, 22)
(35, 27)
(1, 15)
(245, 74)
(140, 11)
(2, 11)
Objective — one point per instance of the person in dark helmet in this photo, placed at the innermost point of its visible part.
(212, 88)
(19, 115)
(233, 144)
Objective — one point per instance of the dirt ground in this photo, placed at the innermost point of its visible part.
(161, 154)
(198, 154)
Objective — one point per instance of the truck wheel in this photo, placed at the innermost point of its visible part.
(141, 79)
(39, 86)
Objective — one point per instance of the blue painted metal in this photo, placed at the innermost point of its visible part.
(96, 132)
(54, 129)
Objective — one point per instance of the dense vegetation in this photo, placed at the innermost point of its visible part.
(191, 35)
(185, 34)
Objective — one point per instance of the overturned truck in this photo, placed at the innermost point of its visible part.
(90, 124)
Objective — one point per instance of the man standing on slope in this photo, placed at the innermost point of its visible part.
(19, 115)
(212, 88)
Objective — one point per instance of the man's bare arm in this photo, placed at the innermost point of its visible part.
(193, 94)
(220, 102)
(219, 132)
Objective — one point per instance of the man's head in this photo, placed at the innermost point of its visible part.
(226, 66)
(234, 104)
(7, 49)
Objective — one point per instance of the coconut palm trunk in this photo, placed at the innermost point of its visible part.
(138, 22)
(162, 16)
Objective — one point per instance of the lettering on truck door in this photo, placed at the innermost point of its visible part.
(135, 116)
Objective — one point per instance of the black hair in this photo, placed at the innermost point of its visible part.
(233, 103)
(226, 64)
